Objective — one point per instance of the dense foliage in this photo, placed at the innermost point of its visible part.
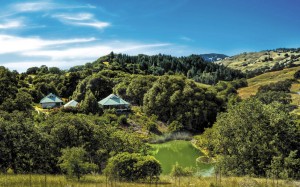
(177, 98)
(134, 87)
(35, 146)
(281, 86)
(275, 92)
(8, 84)
(192, 66)
(256, 139)
(133, 167)
(167, 97)
(74, 162)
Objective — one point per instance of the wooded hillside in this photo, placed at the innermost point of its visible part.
(167, 95)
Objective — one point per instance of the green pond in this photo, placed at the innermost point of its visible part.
(182, 152)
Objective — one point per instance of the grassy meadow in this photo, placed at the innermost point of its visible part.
(255, 60)
(167, 181)
(272, 77)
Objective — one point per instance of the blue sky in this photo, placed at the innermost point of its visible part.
(65, 33)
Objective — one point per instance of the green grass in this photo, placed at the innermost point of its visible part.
(203, 85)
(170, 136)
(166, 181)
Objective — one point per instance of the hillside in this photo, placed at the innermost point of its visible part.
(263, 60)
(193, 66)
(168, 102)
(271, 77)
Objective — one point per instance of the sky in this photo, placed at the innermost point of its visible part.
(65, 33)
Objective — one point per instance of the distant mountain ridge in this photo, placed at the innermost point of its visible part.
(213, 57)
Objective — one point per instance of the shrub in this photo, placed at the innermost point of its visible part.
(179, 171)
(151, 127)
(73, 110)
(175, 126)
(279, 86)
(172, 136)
(74, 162)
(132, 167)
(122, 120)
(297, 75)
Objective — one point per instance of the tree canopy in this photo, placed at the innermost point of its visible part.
(177, 98)
(133, 167)
(74, 162)
(252, 136)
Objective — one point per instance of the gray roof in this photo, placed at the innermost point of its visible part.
(113, 100)
(51, 98)
(71, 103)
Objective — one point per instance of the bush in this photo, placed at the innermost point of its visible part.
(297, 75)
(175, 126)
(246, 130)
(132, 167)
(280, 86)
(122, 120)
(172, 136)
(73, 110)
(179, 171)
(151, 127)
(74, 162)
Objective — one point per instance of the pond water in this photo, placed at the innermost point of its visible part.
(182, 152)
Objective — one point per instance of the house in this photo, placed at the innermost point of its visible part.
(72, 103)
(113, 101)
(51, 101)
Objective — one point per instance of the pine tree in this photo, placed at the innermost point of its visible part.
(89, 104)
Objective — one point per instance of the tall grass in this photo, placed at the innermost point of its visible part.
(166, 181)
(171, 136)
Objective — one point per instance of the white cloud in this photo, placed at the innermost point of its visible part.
(41, 6)
(67, 58)
(96, 24)
(29, 51)
(75, 17)
(22, 66)
(81, 19)
(187, 39)
(11, 24)
(13, 44)
(33, 6)
(72, 53)
(93, 52)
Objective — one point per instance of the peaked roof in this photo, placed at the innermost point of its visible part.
(51, 98)
(113, 100)
(71, 103)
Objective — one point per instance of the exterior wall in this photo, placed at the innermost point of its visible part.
(115, 106)
(50, 105)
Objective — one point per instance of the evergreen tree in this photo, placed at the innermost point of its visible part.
(90, 104)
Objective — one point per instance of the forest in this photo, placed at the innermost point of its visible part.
(257, 137)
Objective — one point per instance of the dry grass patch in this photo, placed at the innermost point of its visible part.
(165, 181)
(267, 78)
(256, 60)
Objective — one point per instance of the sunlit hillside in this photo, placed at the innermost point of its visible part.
(271, 77)
(264, 59)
